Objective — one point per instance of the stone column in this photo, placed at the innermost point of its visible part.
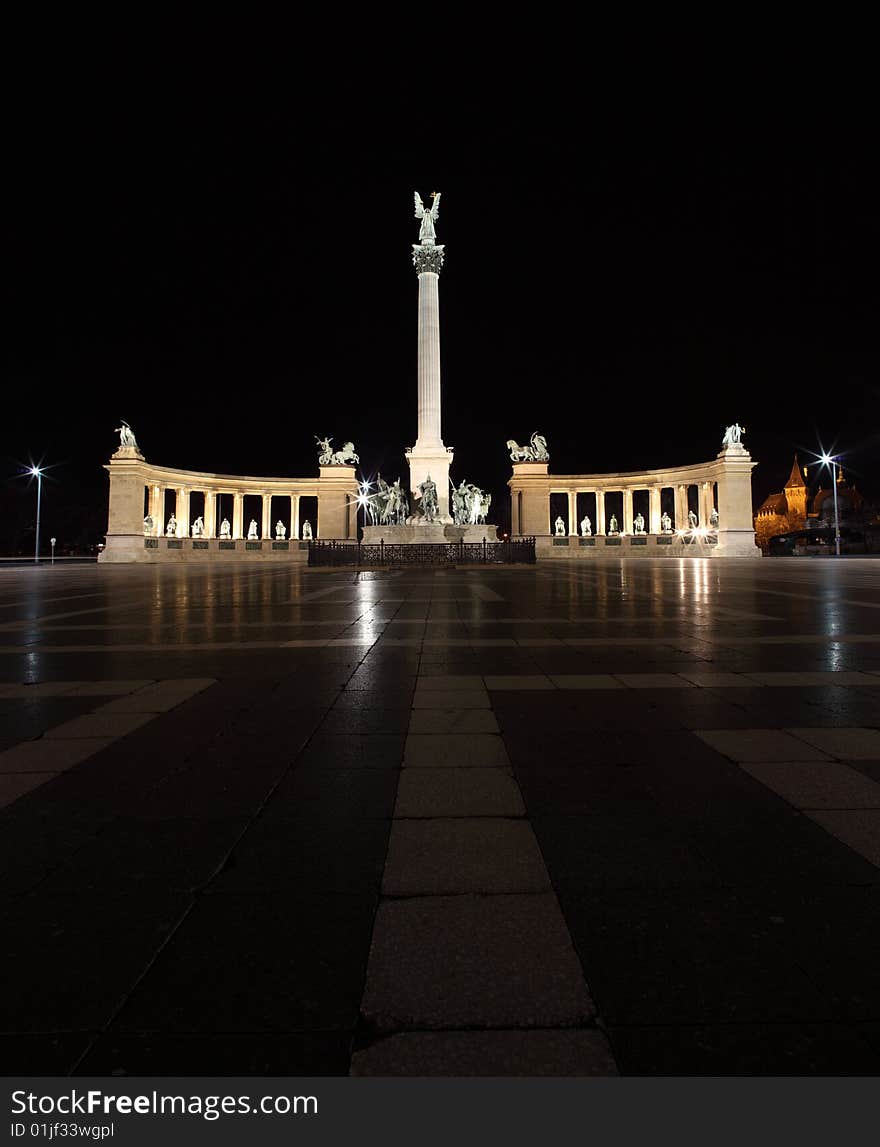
(572, 513)
(681, 508)
(627, 511)
(237, 515)
(210, 514)
(600, 511)
(157, 509)
(294, 516)
(125, 518)
(182, 512)
(429, 457)
(654, 510)
(267, 516)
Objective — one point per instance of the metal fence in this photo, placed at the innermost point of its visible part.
(429, 554)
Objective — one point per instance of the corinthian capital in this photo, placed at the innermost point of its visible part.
(427, 258)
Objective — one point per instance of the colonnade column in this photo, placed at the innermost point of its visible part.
(210, 514)
(654, 510)
(157, 509)
(572, 512)
(294, 515)
(627, 511)
(266, 531)
(600, 511)
(681, 508)
(237, 515)
(182, 512)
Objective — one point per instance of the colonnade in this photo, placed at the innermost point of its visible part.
(679, 516)
(156, 497)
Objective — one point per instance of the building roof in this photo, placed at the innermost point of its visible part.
(774, 504)
(795, 478)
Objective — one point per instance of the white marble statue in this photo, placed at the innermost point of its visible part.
(280, 531)
(428, 504)
(612, 525)
(733, 435)
(148, 524)
(639, 524)
(225, 529)
(485, 503)
(325, 451)
(428, 216)
(126, 436)
(713, 519)
(586, 527)
(198, 527)
(171, 529)
(345, 457)
(307, 531)
(693, 521)
(253, 535)
(666, 523)
(560, 528)
(535, 452)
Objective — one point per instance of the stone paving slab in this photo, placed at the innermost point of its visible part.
(487, 1053)
(473, 792)
(15, 785)
(760, 745)
(466, 681)
(586, 681)
(709, 680)
(653, 681)
(451, 699)
(473, 962)
(471, 855)
(528, 681)
(840, 677)
(453, 721)
(100, 724)
(160, 696)
(859, 829)
(853, 744)
(818, 785)
(455, 750)
(50, 755)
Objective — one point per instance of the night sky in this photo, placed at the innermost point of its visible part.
(234, 279)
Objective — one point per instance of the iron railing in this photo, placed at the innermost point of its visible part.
(421, 554)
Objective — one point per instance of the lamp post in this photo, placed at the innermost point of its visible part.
(38, 474)
(831, 461)
(52, 542)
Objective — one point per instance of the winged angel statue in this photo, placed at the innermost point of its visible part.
(427, 216)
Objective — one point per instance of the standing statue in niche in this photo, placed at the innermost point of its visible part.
(307, 531)
(666, 523)
(428, 216)
(586, 527)
(639, 524)
(253, 535)
(171, 529)
(693, 521)
(148, 525)
(225, 529)
(612, 525)
(280, 531)
(198, 527)
(733, 435)
(126, 436)
(560, 528)
(713, 519)
(428, 505)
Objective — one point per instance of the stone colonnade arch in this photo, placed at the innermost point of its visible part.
(724, 484)
(136, 483)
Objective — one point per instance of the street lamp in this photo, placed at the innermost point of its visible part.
(38, 474)
(829, 460)
(52, 542)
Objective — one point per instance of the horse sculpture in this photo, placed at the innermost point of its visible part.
(535, 452)
(344, 457)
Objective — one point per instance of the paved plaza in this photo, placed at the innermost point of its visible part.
(578, 819)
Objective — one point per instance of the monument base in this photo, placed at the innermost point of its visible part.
(428, 533)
